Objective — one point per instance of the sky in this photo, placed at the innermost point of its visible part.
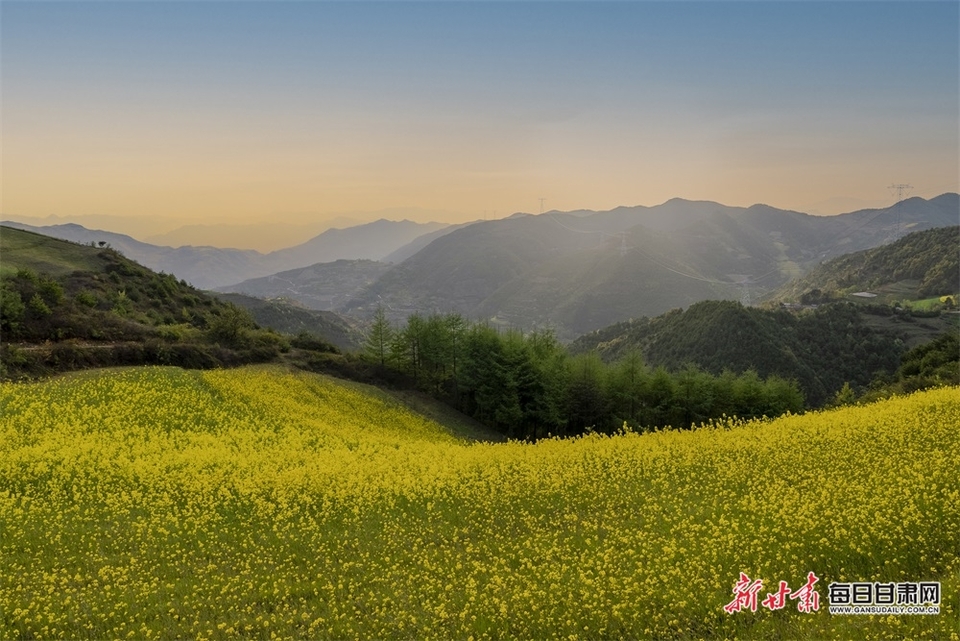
(292, 112)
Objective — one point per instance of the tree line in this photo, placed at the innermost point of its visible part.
(527, 385)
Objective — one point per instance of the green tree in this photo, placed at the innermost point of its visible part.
(549, 359)
(628, 381)
(51, 291)
(587, 405)
(693, 396)
(844, 396)
(485, 385)
(38, 306)
(379, 338)
(781, 396)
(724, 395)
(121, 303)
(230, 325)
(658, 399)
(456, 328)
(436, 345)
(413, 339)
(749, 395)
(11, 311)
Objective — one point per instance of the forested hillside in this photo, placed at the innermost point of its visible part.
(933, 364)
(930, 259)
(289, 317)
(820, 348)
(66, 306)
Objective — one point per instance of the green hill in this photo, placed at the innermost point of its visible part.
(22, 250)
(920, 265)
(819, 348)
(289, 317)
(67, 306)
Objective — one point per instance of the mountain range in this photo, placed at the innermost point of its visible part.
(572, 271)
(837, 339)
(209, 267)
(577, 272)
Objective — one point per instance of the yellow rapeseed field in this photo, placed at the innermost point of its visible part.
(259, 503)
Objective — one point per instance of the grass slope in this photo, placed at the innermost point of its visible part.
(38, 253)
(256, 503)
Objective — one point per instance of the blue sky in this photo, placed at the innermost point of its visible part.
(249, 111)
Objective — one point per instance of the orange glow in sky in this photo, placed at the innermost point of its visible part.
(298, 112)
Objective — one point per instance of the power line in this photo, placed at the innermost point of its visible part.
(553, 217)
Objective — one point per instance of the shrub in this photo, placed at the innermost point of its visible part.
(307, 341)
(51, 291)
(86, 298)
(38, 306)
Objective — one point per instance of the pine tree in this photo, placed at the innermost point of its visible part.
(378, 341)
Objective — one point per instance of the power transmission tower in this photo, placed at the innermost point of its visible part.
(745, 293)
(899, 188)
(541, 204)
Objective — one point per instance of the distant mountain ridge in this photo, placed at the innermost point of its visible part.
(262, 237)
(579, 272)
(209, 267)
(574, 272)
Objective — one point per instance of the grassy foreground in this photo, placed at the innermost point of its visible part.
(257, 503)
